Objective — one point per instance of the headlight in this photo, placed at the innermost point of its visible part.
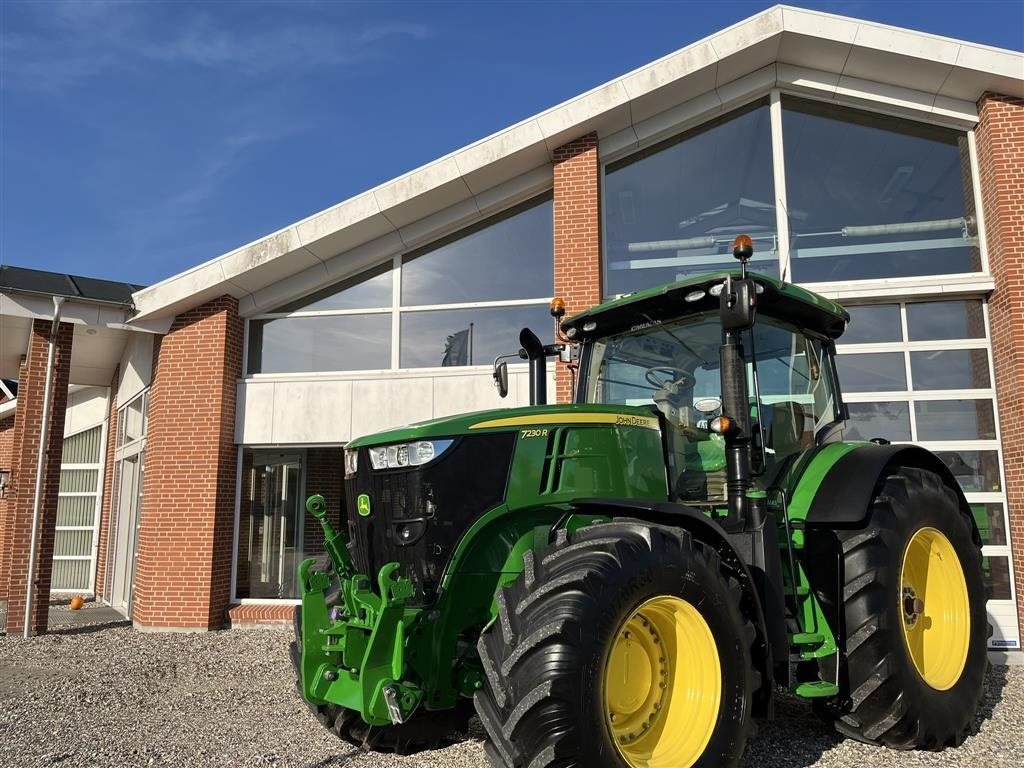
(407, 454)
(351, 462)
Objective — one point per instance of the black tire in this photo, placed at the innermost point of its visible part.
(426, 730)
(542, 701)
(884, 699)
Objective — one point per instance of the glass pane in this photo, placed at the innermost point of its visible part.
(511, 256)
(468, 336)
(74, 543)
(872, 196)
(327, 343)
(950, 369)
(674, 209)
(270, 526)
(955, 420)
(368, 290)
(881, 372)
(76, 510)
(83, 448)
(78, 480)
(131, 418)
(997, 577)
(991, 523)
(873, 323)
(945, 320)
(887, 420)
(70, 575)
(976, 471)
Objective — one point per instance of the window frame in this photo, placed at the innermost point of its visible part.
(396, 308)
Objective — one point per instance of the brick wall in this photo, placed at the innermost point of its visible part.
(29, 418)
(108, 489)
(6, 459)
(1000, 139)
(577, 234)
(183, 570)
(325, 474)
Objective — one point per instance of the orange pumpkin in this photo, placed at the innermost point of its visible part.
(77, 602)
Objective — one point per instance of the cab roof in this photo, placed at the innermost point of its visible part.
(782, 301)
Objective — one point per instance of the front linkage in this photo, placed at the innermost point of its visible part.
(353, 654)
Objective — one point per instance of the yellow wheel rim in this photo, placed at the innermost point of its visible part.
(663, 685)
(935, 608)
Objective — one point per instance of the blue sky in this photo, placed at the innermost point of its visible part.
(139, 139)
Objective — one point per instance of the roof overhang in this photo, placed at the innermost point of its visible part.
(907, 72)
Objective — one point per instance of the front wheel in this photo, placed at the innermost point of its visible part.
(913, 608)
(623, 646)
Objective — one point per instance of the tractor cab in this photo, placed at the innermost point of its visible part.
(662, 349)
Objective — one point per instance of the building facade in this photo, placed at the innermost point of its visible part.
(874, 165)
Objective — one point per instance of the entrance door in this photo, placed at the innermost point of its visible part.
(275, 527)
(126, 541)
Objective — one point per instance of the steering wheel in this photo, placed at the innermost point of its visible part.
(662, 375)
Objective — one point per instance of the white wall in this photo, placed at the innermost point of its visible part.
(136, 367)
(315, 409)
(87, 407)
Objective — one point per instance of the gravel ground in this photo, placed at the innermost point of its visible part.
(110, 696)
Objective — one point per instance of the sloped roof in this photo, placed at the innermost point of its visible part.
(36, 281)
(827, 55)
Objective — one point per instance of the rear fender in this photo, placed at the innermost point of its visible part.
(841, 494)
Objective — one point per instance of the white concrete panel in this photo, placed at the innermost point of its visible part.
(672, 121)
(355, 234)
(813, 24)
(955, 109)
(180, 288)
(752, 43)
(744, 89)
(752, 59)
(521, 148)
(897, 69)
(871, 94)
(337, 217)
(516, 190)
(440, 224)
(254, 412)
(283, 291)
(87, 407)
(95, 352)
(136, 367)
(365, 256)
(386, 403)
(811, 81)
(603, 109)
(464, 394)
(674, 93)
(272, 270)
(312, 412)
(813, 52)
(14, 332)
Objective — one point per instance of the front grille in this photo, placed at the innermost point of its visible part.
(418, 515)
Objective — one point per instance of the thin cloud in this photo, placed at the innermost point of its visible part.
(58, 45)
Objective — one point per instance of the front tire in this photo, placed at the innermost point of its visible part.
(913, 606)
(623, 646)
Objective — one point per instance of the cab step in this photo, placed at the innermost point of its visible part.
(816, 690)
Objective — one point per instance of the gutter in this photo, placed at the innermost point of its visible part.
(44, 433)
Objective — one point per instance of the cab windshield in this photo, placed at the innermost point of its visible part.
(674, 367)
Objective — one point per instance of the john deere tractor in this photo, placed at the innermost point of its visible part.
(629, 580)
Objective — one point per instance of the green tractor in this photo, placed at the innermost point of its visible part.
(627, 581)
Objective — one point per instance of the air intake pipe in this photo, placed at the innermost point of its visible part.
(537, 354)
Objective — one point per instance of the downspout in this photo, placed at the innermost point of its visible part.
(44, 433)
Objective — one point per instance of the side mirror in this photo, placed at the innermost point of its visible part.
(501, 378)
(738, 305)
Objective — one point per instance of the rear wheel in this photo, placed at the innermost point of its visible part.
(624, 646)
(915, 623)
(425, 730)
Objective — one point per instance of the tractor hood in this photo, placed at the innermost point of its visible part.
(510, 419)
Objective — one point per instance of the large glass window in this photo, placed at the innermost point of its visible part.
(674, 209)
(872, 196)
(461, 301)
(920, 372)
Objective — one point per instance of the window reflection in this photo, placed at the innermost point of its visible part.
(890, 421)
(955, 420)
(446, 338)
(368, 290)
(872, 324)
(976, 471)
(991, 523)
(875, 372)
(871, 196)
(933, 320)
(508, 257)
(332, 343)
(997, 577)
(674, 209)
(950, 369)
